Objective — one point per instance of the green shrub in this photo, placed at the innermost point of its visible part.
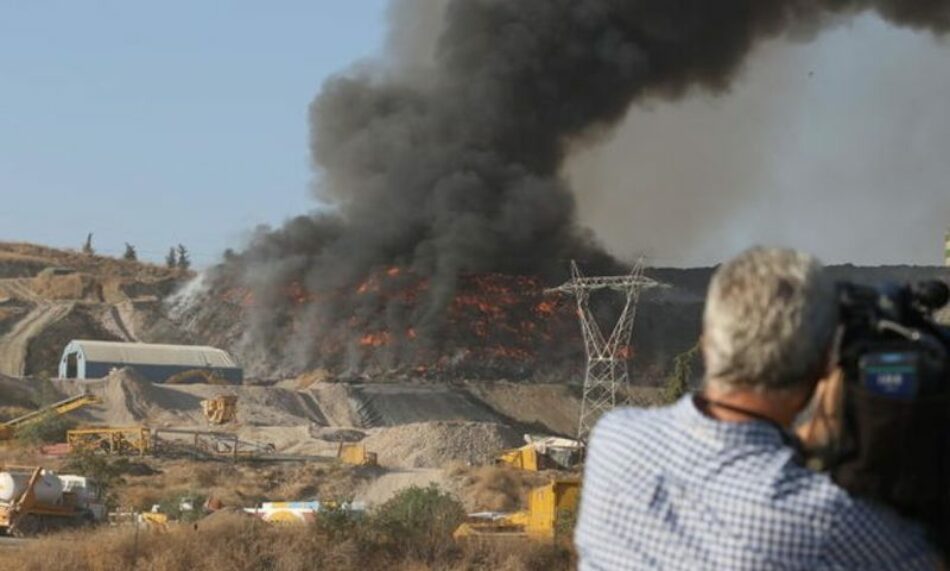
(172, 507)
(677, 383)
(107, 473)
(50, 428)
(45, 393)
(337, 522)
(565, 523)
(419, 522)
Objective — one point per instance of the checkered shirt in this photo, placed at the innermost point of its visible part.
(670, 488)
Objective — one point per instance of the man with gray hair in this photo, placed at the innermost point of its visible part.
(716, 480)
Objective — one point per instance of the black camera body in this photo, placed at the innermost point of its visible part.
(894, 445)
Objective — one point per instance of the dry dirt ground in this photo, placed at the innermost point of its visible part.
(422, 434)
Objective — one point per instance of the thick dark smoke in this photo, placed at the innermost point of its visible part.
(455, 169)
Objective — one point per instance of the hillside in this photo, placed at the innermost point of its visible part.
(50, 296)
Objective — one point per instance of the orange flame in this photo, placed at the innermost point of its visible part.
(546, 307)
(375, 339)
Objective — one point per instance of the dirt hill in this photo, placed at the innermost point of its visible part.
(49, 297)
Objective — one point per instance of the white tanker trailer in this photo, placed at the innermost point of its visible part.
(34, 500)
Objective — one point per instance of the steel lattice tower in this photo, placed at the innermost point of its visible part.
(606, 377)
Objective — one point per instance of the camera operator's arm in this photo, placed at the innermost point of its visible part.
(822, 427)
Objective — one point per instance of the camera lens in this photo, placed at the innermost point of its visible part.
(932, 294)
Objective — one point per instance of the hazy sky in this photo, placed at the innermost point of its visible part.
(837, 146)
(164, 122)
(160, 123)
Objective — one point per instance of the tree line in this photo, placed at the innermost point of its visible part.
(177, 257)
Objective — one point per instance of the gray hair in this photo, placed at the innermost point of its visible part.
(770, 321)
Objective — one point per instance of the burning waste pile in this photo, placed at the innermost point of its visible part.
(495, 326)
(444, 213)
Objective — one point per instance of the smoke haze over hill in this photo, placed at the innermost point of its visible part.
(449, 158)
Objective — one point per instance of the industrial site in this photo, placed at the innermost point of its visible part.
(185, 431)
(407, 374)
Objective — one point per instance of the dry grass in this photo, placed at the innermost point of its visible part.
(35, 257)
(242, 484)
(12, 411)
(238, 543)
(495, 488)
(14, 452)
(151, 480)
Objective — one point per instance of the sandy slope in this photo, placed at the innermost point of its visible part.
(14, 345)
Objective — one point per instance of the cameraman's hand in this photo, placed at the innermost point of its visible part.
(822, 428)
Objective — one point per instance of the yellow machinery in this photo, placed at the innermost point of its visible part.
(549, 507)
(207, 443)
(154, 520)
(115, 440)
(355, 454)
(35, 500)
(221, 409)
(142, 440)
(524, 458)
(9, 428)
(543, 453)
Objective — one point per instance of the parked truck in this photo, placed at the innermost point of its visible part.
(35, 501)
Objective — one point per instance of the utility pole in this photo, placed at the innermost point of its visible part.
(606, 377)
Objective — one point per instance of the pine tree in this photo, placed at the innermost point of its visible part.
(87, 247)
(171, 260)
(130, 253)
(184, 261)
(677, 384)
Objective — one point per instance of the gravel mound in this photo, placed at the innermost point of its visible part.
(434, 444)
(128, 398)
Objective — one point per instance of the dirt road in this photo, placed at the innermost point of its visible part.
(14, 345)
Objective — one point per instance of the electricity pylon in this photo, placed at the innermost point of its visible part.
(606, 377)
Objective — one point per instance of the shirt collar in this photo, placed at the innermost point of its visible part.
(752, 432)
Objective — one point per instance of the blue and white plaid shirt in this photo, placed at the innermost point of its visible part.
(671, 488)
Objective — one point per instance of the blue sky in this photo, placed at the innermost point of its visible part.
(164, 122)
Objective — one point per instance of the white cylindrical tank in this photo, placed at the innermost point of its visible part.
(48, 488)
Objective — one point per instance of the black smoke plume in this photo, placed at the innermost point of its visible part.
(457, 171)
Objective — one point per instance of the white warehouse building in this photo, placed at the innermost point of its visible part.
(84, 359)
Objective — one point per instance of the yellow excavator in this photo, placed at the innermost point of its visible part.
(221, 409)
(9, 428)
(125, 440)
(543, 453)
(551, 508)
(355, 454)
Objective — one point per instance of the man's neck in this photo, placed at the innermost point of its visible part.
(780, 408)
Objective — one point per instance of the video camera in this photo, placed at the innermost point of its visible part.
(894, 441)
